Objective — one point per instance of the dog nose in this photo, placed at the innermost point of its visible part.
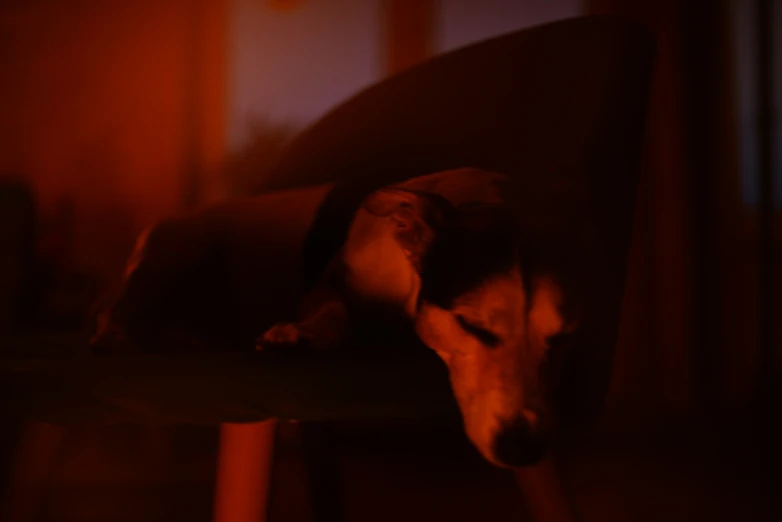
(518, 443)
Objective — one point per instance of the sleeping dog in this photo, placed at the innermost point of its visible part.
(449, 256)
(466, 260)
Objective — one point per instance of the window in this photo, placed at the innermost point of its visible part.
(288, 67)
(462, 22)
(746, 67)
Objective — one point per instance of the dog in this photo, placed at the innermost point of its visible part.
(448, 257)
(466, 262)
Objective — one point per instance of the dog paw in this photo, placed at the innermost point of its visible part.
(284, 335)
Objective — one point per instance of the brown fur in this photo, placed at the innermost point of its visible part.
(456, 273)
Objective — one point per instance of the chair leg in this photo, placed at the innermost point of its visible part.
(323, 474)
(544, 492)
(244, 472)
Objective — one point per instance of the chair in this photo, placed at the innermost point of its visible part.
(565, 100)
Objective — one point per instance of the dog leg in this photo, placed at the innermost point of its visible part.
(325, 329)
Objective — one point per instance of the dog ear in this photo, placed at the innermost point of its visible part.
(385, 202)
(412, 214)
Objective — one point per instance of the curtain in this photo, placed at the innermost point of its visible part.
(689, 340)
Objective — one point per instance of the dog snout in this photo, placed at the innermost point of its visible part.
(519, 442)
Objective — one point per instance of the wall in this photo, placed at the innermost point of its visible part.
(97, 104)
(291, 66)
(462, 22)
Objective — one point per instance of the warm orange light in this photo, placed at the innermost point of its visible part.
(283, 5)
(244, 472)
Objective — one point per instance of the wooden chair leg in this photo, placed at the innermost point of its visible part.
(323, 473)
(244, 472)
(544, 493)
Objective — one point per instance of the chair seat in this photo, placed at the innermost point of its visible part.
(50, 383)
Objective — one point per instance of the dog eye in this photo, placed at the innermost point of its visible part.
(483, 335)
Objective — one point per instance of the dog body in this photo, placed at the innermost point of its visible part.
(444, 256)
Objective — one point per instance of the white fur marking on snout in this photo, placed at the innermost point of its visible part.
(489, 382)
(545, 316)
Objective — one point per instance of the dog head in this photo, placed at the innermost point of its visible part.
(487, 307)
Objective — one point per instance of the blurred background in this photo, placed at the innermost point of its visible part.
(116, 114)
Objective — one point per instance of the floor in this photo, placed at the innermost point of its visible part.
(414, 473)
